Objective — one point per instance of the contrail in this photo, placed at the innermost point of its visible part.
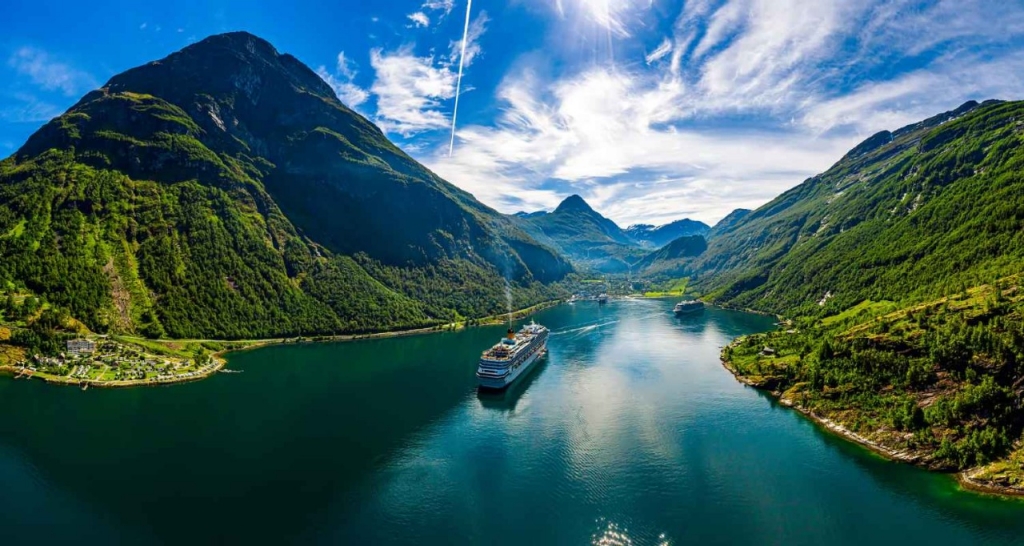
(458, 84)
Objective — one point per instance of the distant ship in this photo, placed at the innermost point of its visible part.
(602, 299)
(688, 306)
(502, 364)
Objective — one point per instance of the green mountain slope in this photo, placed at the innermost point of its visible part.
(671, 260)
(224, 191)
(649, 236)
(906, 215)
(728, 223)
(581, 233)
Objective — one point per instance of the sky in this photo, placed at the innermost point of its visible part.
(651, 110)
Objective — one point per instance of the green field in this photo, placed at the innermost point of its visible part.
(670, 289)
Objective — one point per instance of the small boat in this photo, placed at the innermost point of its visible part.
(688, 306)
(602, 299)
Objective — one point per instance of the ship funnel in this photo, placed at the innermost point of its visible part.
(511, 333)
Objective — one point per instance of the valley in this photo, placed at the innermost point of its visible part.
(225, 193)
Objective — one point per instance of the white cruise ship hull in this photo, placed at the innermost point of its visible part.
(501, 382)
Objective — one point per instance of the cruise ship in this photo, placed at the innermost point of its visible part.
(688, 306)
(502, 364)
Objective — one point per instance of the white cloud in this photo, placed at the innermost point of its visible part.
(410, 90)
(27, 108)
(345, 66)
(348, 93)
(613, 137)
(48, 73)
(911, 97)
(444, 6)
(476, 29)
(419, 19)
(659, 52)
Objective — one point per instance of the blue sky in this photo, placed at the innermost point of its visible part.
(652, 110)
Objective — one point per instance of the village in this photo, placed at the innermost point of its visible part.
(108, 362)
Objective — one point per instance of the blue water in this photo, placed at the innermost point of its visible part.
(629, 432)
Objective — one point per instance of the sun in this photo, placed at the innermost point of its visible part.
(606, 13)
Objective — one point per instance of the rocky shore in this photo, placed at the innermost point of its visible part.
(974, 479)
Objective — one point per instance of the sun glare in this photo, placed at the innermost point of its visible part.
(605, 12)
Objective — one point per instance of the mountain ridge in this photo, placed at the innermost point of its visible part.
(583, 234)
(650, 236)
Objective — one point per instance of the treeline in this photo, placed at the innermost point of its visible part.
(453, 289)
(46, 329)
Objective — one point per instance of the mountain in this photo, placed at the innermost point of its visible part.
(671, 260)
(911, 214)
(726, 224)
(582, 234)
(650, 236)
(523, 214)
(224, 191)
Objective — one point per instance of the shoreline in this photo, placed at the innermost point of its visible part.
(964, 478)
(21, 373)
(967, 481)
(220, 357)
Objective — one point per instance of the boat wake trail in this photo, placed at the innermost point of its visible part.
(586, 328)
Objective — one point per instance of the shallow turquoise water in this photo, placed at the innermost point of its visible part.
(630, 432)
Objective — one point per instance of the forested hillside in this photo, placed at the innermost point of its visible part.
(224, 191)
(938, 383)
(726, 224)
(671, 260)
(916, 213)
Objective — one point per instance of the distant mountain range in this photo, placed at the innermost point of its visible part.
(650, 236)
(594, 242)
(224, 191)
(583, 235)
